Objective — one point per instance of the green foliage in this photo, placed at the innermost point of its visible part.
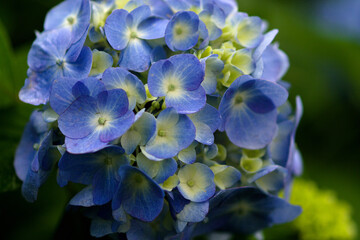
(7, 91)
(14, 114)
(324, 215)
(37, 220)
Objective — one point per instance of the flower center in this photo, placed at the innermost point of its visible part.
(60, 62)
(36, 146)
(190, 183)
(138, 179)
(171, 88)
(101, 121)
(178, 30)
(70, 20)
(133, 35)
(238, 99)
(108, 161)
(162, 133)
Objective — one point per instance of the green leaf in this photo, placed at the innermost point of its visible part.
(37, 220)
(7, 91)
(12, 122)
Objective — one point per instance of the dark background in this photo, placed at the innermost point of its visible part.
(322, 40)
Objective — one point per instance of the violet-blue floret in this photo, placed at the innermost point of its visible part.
(172, 115)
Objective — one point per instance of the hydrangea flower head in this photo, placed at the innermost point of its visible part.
(172, 115)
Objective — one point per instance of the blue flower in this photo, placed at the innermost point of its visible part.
(157, 170)
(246, 210)
(275, 63)
(225, 176)
(138, 194)
(248, 110)
(140, 132)
(206, 122)
(53, 56)
(64, 91)
(186, 211)
(34, 158)
(90, 123)
(99, 169)
(174, 132)
(182, 32)
(214, 19)
(101, 61)
(115, 78)
(282, 148)
(178, 79)
(196, 182)
(213, 67)
(246, 31)
(128, 32)
(72, 15)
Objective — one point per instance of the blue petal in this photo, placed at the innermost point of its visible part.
(61, 95)
(84, 168)
(35, 90)
(176, 201)
(225, 176)
(25, 152)
(152, 28)
(81, 67)
(188, 102)
(140, 133)
(206, 121)
(140, 230)
(104, 184)
(183, 70)
(74, 50)
(203, 35)
(196, 182)
(136, 56)
(63, 91)
(39, 170)
(100, 227)
(251, 122)
(30, 187)
(250, 130)
(79, 10)
(214, 31)
(182, 32)
(246, 210)
(139, 15)
(114, 78)
(157, 53)
(157, 170)
(280, 146)
(179, 134)
(272, 182)
(188, 155)
(83, 198)
(276, 63)
(77, 120)
(194, 212)
(138, 195)
(249, 33)
(113, 102)
(79, 168)
(268, 38)
(116, 29)
(117, 127)
(88, 144)
(213, 67)
(47, 48)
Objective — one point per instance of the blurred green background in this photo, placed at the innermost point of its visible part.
(322, 40)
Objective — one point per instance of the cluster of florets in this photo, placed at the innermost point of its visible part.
(172, 113)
